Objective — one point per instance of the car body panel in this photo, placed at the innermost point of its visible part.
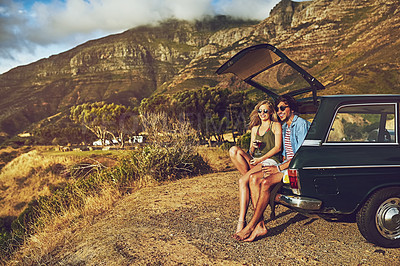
(343, 175)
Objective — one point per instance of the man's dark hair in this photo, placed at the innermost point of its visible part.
(290, 101)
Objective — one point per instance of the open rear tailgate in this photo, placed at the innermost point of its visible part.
(252, 61)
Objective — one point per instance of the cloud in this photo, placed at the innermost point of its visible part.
(248, 9)
(25, 31)
(12, 21)
(62, 19)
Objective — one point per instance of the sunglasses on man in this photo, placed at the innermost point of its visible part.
(282, 108)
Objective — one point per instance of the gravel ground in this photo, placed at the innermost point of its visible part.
(191, 221)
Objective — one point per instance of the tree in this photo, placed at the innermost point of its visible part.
(211, 111)
(240, 107)
(106, 119)
(61, 133)
(157, 104)
(206, 108)
(123, 122)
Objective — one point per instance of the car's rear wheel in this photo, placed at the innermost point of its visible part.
(379, 218)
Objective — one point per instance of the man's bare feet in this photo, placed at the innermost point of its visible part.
(259, 231)
(240, 226)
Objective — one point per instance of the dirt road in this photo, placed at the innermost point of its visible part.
(190, 222)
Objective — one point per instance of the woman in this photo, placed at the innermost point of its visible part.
(266, 142)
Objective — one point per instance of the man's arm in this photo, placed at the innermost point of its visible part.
(301, 130)
(283, 166)
(274, 169)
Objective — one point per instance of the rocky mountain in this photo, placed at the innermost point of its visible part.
(121, 68)
(351, 46)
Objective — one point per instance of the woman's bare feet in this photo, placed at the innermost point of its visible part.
(259, 231)
(242, 235)
(240, 226)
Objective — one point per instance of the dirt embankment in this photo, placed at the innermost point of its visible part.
(190, 222)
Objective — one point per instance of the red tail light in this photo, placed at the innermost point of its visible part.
(293, 178)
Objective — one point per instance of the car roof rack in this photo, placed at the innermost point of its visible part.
(251, 61)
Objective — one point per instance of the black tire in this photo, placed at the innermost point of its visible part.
(379, 218)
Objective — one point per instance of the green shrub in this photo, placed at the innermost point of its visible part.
(226, 146)
(5, 237)
(165, 163)
(244, 141)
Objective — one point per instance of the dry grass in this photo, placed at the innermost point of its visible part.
(163, 130)
(29, 176)
(60, 230)
(24, 164)
(217, 158)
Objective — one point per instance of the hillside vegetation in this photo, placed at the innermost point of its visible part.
(52, 188)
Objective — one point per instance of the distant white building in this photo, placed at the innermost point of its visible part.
(24, 135)
(98, 142)
(136, 139)
(107, 142)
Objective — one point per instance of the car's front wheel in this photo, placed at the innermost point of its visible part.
(379, 218)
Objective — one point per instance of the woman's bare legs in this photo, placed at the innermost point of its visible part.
(240, 159)
(255, 188)
(244, 195)
(256, 227)
(244, 199)
(254, 184)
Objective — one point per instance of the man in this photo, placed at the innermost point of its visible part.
(294, 131)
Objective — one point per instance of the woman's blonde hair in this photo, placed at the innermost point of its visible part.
(255, 119)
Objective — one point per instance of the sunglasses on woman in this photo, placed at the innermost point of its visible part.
(282, 108)
(266, 111)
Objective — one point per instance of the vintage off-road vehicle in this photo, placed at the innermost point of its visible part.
(349, 164)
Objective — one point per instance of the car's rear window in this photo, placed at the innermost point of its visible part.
(364, 123)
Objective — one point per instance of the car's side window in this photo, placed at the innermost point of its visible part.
(364, 123)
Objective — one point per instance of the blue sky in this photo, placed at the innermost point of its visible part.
(31, 30)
